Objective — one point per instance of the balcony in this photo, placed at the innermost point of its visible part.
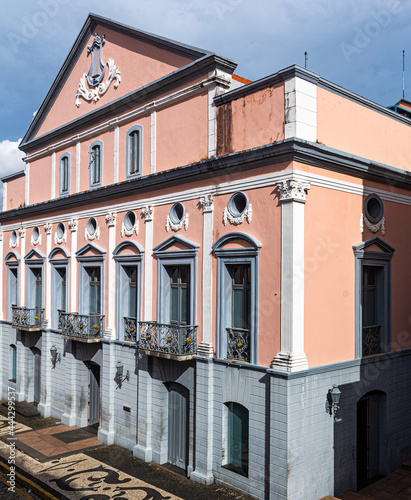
(87, 328)
(28, 319)
(130, 329)
(238, 344)
(371, 340)
(168, 341)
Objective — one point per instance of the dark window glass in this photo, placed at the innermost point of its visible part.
(134, 151)
(95, 161)
(132, 290)
(64, 174)
(238, 436)
(95, 290)
(241, 296)
(180, 295)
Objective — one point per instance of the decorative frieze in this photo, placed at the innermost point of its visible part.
(131, 231)
(207, 201)
(227, 217)
(148, 213)
(372, 227)
(293, 190)
(91, 236)
(58, 240)
(34, 241)
(176, 227)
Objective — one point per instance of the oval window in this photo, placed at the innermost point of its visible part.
(36, 234)
(14, 237)
(177, 213)
(129, 220)
(373, 208)
(237, 204)
(60, 230)
(92, 226)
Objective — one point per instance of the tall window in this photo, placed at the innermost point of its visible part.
(94, 290)
(241, 296)
(132, 290)
(180, 295)
(237, 438)
(134, 156)
(38, 285)
(12, 362)
(12, 290)
(65, 174)
(96, 151)
(373, 297)
(59, 260)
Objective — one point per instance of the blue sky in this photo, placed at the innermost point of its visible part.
(356, 44)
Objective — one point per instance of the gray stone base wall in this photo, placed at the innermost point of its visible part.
(296, 449)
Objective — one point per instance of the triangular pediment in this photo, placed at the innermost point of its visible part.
(374, 244)
(131, 60)
(90, 250)
(34, 255)
(176, 244)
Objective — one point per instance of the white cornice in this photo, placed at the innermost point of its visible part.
(125, 117)
(220, 189)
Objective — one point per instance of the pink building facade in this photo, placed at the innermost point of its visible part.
(192, 261)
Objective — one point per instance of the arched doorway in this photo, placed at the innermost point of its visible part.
(370, 431)
(178, 398)
(36, 374)
(93, 393)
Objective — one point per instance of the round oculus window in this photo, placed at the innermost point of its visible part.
(92, 226)
(129, 220)
(237, 204)
(36, 234)
(373, 208)
(60, 230)
(177, 213)
(14, 237)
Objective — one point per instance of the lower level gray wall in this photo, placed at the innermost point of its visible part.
(296, 449)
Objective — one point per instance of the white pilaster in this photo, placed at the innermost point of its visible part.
(153, 141)
(2, 315)
(205, 347)
(111, 323)
(4, 196)
(148, 213)
(48, 280)
(78, 167)
(291, 358)
(22, 294)
(212, 122)
(73, 266)
(53, 175)
(116, 149)
(300, 109)
(27, 185)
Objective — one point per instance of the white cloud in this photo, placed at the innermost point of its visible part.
(10, 157)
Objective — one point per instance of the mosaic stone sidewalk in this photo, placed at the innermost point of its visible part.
(80, 477)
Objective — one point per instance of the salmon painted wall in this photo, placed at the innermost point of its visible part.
(182, 133)
(265, 226)
(139, 64)
(40, 180)
(349, 126)
(251, 121)
(15, 196)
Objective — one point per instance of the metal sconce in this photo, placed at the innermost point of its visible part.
(120, 370)
(333, 398)
(55, 356)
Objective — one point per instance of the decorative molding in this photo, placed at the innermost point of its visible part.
(35, 242)
(94, 94)
(148, 213)
(237, 220)
(15, 244)
(293, 190)
(72, 225)
(111, 219)
(289, 362)
(88, 236)
(22, 232)
(177, 227)
(207, 201)
(372, 227)
(47, 228)
(205, 349)
(129, 232)
(59, 241)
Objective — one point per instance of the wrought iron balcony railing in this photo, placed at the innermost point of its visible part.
(29, 319)
(371, 340)
(238, 344)
(130, 329)
(169, 341)
(81, 327)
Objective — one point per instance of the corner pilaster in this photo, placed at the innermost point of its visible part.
(292, 358)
